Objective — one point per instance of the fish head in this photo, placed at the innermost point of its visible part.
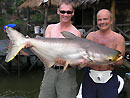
(106, 59)
(115, 57)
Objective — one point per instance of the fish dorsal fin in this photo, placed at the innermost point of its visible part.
(67, 34)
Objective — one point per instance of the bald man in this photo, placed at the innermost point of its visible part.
(100, 81)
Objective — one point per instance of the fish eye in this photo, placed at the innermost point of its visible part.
(119, 56)
(110, 59)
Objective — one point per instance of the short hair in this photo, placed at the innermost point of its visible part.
(68, 2)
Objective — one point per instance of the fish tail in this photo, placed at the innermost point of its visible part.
(18, 41)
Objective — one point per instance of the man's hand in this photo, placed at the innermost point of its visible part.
(24, 53)
(85, 63)
(28, 44)
(60, 61)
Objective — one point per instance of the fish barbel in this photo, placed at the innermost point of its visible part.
(72, 49)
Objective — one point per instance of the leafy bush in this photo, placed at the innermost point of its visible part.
(18, 21)
(37, 17)
(2, 21)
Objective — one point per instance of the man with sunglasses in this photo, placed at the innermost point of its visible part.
(56, 84)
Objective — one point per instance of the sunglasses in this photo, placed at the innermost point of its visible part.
(68, 12)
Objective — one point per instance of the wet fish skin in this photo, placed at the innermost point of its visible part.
(71, 49)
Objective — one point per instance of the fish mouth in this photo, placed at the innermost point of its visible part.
(117, 58)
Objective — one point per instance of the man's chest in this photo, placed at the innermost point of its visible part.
(108, 42)
(56, 33)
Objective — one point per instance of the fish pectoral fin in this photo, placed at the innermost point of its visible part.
(87, 61)
(63, 62)
(49, 64)
(86, 57)
(12, 52)
(65, 67)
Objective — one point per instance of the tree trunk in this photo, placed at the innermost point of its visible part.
(28, 16)
(94, 18)
(46, 16)
(16, 5)
(113, 14)
(0, 7)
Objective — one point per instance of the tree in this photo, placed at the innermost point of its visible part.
(0, 7)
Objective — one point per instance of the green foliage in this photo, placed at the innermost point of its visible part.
(19, 2)
(2, 21)
(10, 11)
(16, 22)
(11, 5)
(37, 17)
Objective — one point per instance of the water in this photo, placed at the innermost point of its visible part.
(25, 85)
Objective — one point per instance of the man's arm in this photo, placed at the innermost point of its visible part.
(77, 33)
(90, 36)
(120, 47)
(48, 31)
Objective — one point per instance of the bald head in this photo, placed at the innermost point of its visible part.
(104, 11)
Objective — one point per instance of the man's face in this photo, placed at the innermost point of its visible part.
(103, 20)
(65, 12)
